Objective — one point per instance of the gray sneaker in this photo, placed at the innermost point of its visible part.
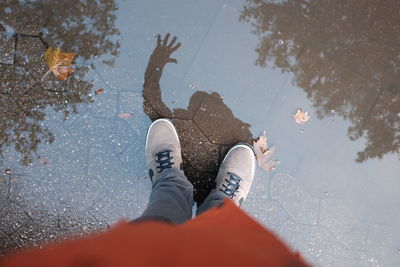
(163, 150)
(236, 173)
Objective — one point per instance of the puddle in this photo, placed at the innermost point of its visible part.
(72, 151)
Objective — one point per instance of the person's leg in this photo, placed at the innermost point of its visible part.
(234, 178)
(215, 198)
(171, 198)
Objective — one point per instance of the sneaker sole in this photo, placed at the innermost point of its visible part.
(246, 146)
(164, 120)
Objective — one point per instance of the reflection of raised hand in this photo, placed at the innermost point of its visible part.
(162, 53)
(153, 104)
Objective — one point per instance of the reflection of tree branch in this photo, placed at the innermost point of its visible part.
(369, 112)
(27, 113)
(56, 91)
(343, 55)
(37, 25)
(29, 89)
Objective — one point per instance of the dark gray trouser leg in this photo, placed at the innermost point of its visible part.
(215, 198)
(171, 198)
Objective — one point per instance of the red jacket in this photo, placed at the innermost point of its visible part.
(224, 236)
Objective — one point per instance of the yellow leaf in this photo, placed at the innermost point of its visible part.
(59, 63)
(264, 154)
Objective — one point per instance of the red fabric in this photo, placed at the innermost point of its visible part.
(223, 236)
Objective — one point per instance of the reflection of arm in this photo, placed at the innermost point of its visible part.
(153, 104)
(151, 89)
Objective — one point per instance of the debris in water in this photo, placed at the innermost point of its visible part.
(264, 154)
(99, 91)
(125, 115)
(42, 161)
(301, 117)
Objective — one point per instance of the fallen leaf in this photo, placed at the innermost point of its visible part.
(42, 161)
(301, 117)
(59, 63)
(125, 115)
(99, 91)
(264, 154)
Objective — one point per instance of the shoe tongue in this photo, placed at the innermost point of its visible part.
(234, 176)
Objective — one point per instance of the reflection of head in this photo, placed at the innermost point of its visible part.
(84, 27)
(345, 55)
(207, 128)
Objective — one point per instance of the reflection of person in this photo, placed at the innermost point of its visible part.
(214, 122)
(230, 128)
(164, 235)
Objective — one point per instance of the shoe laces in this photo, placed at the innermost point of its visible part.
(164, 160)
(231, 186)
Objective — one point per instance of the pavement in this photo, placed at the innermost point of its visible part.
(72, 161)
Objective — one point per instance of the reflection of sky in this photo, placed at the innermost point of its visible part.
(217, 54)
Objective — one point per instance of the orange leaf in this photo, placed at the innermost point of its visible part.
(59, 63)
(99, 91)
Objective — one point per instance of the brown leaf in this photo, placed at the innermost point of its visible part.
(125, 115)
(59, 63)
(301, 117)
(264, 154)
(99, 91)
